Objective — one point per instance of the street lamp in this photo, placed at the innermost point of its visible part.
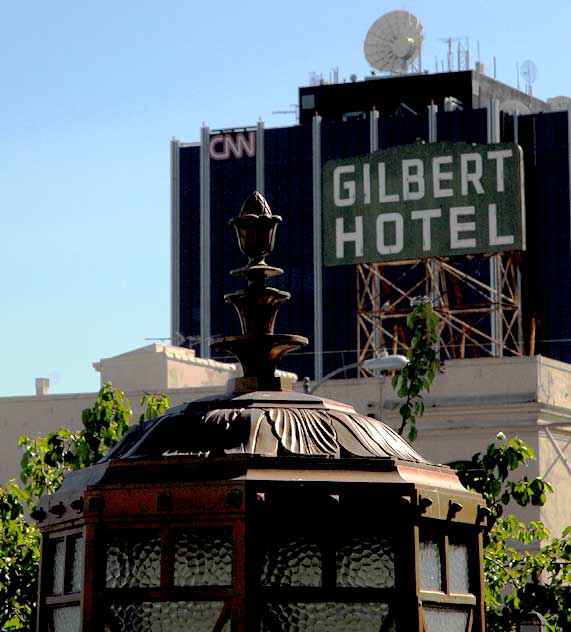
(382, 362)
(261, 509)
(385, 362)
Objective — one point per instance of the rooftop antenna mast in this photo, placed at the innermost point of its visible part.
(450, 56)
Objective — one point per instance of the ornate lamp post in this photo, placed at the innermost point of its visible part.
(261, 510)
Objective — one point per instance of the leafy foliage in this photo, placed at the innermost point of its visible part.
(44, 462)
(488, 475)
(524, 575)
(155, 404)
(524, 570)
(46, 459)
(19, 561)
(417, 376)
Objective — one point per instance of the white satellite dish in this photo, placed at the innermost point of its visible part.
(528, 71)
(394, 41)
(560, 103)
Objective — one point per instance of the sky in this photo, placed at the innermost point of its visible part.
(91, 94)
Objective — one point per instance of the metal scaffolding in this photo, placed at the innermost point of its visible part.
(478, 315)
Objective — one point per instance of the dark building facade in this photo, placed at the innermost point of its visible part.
(212, 178)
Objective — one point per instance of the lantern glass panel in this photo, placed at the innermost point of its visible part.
(325, 617)
(441, 619)
(203, 557)
(65, 619)
(133, 560)
(164, 616)
(366, 562)
(430, 565)
(57, 559)
(75, 582)
(292, 562)
(458, 562)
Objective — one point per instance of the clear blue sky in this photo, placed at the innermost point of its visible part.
(93, 91)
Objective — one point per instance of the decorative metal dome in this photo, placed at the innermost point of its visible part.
(261, 415)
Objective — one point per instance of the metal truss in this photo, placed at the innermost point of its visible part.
(477, 300)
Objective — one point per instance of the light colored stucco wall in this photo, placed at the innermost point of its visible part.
(157, 367)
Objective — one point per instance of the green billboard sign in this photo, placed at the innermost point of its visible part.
(423, 200)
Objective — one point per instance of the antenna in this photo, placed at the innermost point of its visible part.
(528, 71)
(315, 78)
(394, 41)
(295, 110)
(450, 56)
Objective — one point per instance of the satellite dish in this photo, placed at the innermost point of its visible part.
(513, 105)
(528, 71)
(394, 41)
(559, 103)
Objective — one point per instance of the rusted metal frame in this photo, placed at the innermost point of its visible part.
(466, 329)
(475, 284)
(449, 310)
(516, 320)
(364, 282)
(408, 270)
(458, 330)
(509, 328)
(403, 294)
(434, 275)
(472, 282)
(507, 277)
(480, 333)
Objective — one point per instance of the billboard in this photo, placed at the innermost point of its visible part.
(423, 200)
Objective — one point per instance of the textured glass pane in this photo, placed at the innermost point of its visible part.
(458, 562)
(430, 569)
(227, 626)
(296, 562)
(65, 619)
(366, 562)
(167, 616)
(57, 557)
(439, 619)
(133, 560)
(75, 581)
(324, 617)
(203, 557)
